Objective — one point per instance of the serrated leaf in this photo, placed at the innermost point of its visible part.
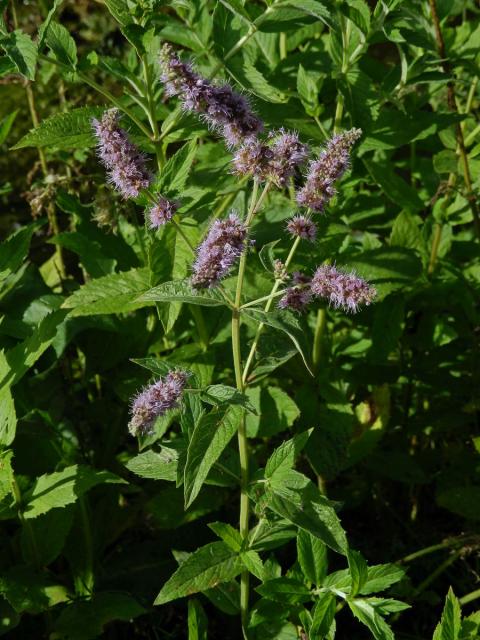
(259, 85)
(46, 23)
(228, 534)
(22, 51)
(14, 250)
(312, 557)
(115, 293)
(197, 621)
(204, 569)
(8, 416)
(365, 612)
(381, 576)
(283, 321)
(222, 393)
(358, 571)
(174, 175)
(285, 591)
(394, 187)
(6, 473)
(119, 10)
(6, 124)
(157, 465)
(60, 488)
(450, 624)
(64, 130)
(285, 455)
(182, 291)
(61, 43)
(323, 615)
(211, 435)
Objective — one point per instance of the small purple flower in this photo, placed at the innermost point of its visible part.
(252, 159)
(161, 212)
(288, 153)
(124, 162)
(302, 227)
(224, 244)
(296, 298)
(323, 172)
(342, 289)
(155, 400)
(227, 112)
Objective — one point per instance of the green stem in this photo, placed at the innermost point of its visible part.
(89, 576)
(346, 31)
(267, 308)
(473, 595)
(152, 118)
(318, 338)
(438, 571)
(263, 299)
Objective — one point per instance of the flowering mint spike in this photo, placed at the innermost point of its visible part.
(323, 172)
(227, 112)
(342, 289)
(288, 153)
(124, 162)
(296, 298)
(252, 159)
(302, 227)
(161, 212)
(155, 400)
(224, 244)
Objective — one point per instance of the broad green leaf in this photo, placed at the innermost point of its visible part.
(358, 571)
(275, 410)
(253, 563)
(394, 187)
(197, 621)
(22, 51)
(222, 393)
(31, 592)
(50, 532)
(381, 576)
(205, 568)
(228, 534)
(211, 435)
(174, 175)
(359, 13)
(313, 8)
(119, 10)
(406, 232)
(283, 321)
(63, 46)
(445, 161)
(365, 612)
(115, 293)
(450, 624)
(60, 488)
(259, 85)
(285, 591)
(182, 292)
(295, 498)
(64, 130)
(312, 557)
(285, 455)
(84, 619)
(160, 465)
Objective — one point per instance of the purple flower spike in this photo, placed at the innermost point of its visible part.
(296, 298)
(227, 112)
(302, 227)
(224, 244)
(124, 162)
(161, 213)
(155, 400)
(252, 159)
(332, 163)
(288, 153)
(342, 289)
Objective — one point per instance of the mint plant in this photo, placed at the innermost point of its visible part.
(238, 297)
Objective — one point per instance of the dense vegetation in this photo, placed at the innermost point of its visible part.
(239, 321)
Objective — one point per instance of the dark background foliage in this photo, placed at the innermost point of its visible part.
(394, 400)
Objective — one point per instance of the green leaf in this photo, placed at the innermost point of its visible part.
(46, 23)
(313, 8)
(22, 51)
(50, 532)
(205, 568)
(119, 10)
(8, 416)
(228, 534)
(115, 293)
(285, 591)
(253, 563)
(292, 496)
(182, 291)
(283, 321)
(6, 125)
(406, 232)
(237, 8)
(58, 489)
(85, 619)
(445, 161)
(285, 455)
(323, 615)
(62, 44)
(197, 621)
(364, 611)
(259, 85)
(312, 557)
(382, 576)
(394, 187)
(307, 90)
(450, 623)
(211, 435)
(174, 176)
(358, 571)
(64, 130)
(276, 412)
(222, 393)
(14, 250)
(155, 465)
(31, 592)
(6, 473)
(359, 13)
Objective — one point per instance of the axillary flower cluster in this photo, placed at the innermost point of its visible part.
(275, 158)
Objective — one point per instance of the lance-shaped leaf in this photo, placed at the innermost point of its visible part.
(283, 321)
(211, 565)
(211, 435)
(182, 291)
(22, 51)
(366, 613)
